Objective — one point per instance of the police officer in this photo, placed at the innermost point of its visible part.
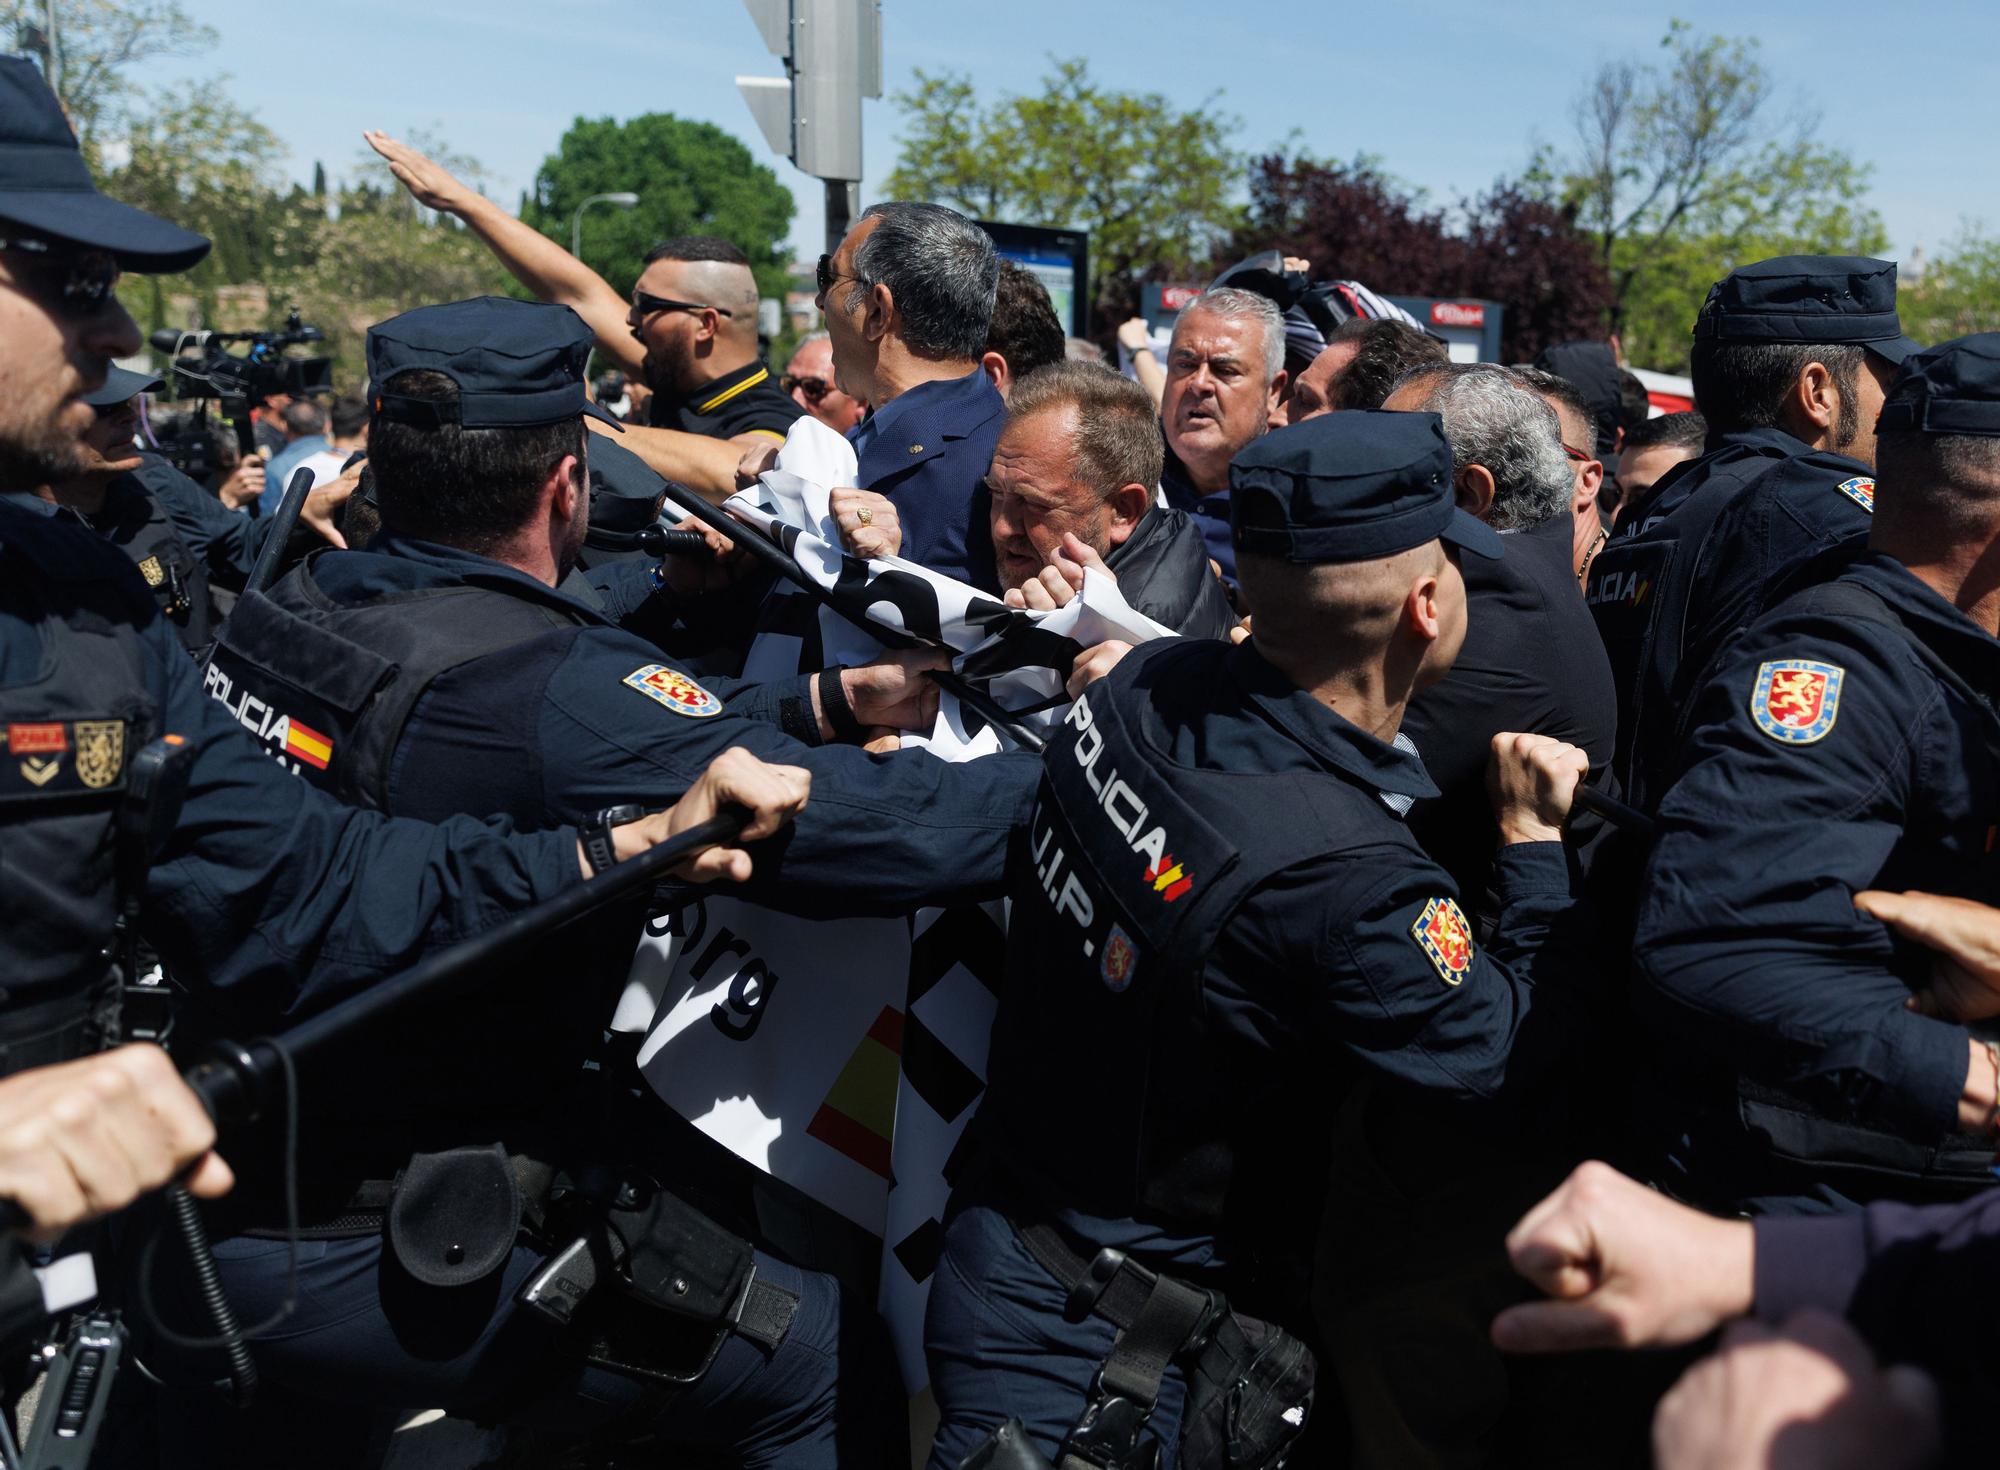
(1218, 918)
(1848, 740)
(1789, 361)
(442, 671)
(264, 887)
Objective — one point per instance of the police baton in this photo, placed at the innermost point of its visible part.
(1610, 809)
(265, 570)
(235, 1081)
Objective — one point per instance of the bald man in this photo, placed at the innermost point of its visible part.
(689, 331)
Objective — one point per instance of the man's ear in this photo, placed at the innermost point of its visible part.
(1420, 608)
(1587, 491)
(880, 313)
(1128, 503)
(1814, 401)
(1473, 488)
(568, 488)
(997, 372)
(1274, 400)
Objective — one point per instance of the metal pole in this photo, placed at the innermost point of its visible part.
(52, 54)
(623, 199)
(843, 201)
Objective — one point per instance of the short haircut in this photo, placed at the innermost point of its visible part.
(1635, 404)
(698, 247)
(1491, 419)
(1332, 615)
(1386, 350)
(1742, 385)
(471, 488)
(349, 415)
(302, 416)
(1116, 437)
(1082, 349)
(941, 269)
(1568, 396)
(1232, 304)
(1024, 329)
(1943, 489)
(1687, 430)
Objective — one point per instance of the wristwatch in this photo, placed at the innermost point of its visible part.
(598, 850)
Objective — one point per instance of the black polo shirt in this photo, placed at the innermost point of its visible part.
(747, 401)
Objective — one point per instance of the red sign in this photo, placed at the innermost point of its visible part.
(1173, 298)
(1457, 314)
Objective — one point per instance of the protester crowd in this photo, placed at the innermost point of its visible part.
(1496, 877)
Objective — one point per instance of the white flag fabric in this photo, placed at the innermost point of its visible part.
(846, 1056)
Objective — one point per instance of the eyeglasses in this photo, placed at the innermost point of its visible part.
(1578, 455)
(814, 388)
(84, 279)
(647, 305)
(826, 275)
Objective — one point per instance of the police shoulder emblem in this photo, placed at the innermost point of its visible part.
(1860, 490)
(152, 571)
(675, 690)
(1121, 958)
(1444, 936)
(1796, 699)
(100, 751)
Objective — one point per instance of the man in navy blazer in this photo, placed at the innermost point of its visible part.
(908, 298)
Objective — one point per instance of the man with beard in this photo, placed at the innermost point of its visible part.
(689, 331)
(1789, 363)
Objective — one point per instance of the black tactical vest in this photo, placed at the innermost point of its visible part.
(65, 740)
(328, 687)
(1104, 1094)
(136, 522)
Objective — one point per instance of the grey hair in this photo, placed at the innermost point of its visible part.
(1232, 304)
(941, 269)
(810, 339)
(1492, 419)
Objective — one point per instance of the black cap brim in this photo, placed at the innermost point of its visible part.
(1469, 533)
(598, 412)
(1894, 349)
(121, 384)
(141, 242)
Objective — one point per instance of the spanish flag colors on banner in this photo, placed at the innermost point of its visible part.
(308, 745)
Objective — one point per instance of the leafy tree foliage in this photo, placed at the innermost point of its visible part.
(1513, 244)
(1153, 183)
(1957, 293)
(99, 45)
(1684, 169)
(691, 178)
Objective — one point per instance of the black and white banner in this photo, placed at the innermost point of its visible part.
(846, 1056)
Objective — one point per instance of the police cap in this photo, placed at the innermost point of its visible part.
(516, 363)
(1809, 299)
(47, 198)
(121, 384)
(1952, 388)
(1355, 486)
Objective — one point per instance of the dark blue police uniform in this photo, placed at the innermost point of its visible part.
(927, 449)
(1531, 661)
(1218, 916)
(442, 681)
(1847, 740)
(1720, 534)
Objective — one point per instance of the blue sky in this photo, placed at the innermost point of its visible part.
(1449, 94)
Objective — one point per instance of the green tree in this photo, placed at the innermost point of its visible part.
(97, 45)
(1957, 293)
(691, 178)
(1684, 170)
(1155, 185)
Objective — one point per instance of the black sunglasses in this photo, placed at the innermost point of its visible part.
(647, 305)
(84, 279)
(813, 388)
(826, 275)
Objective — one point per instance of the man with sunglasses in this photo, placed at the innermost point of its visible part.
(688, 331)
(809, 379)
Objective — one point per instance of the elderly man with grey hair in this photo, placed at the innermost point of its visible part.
(908, 299)
(1225, 383)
